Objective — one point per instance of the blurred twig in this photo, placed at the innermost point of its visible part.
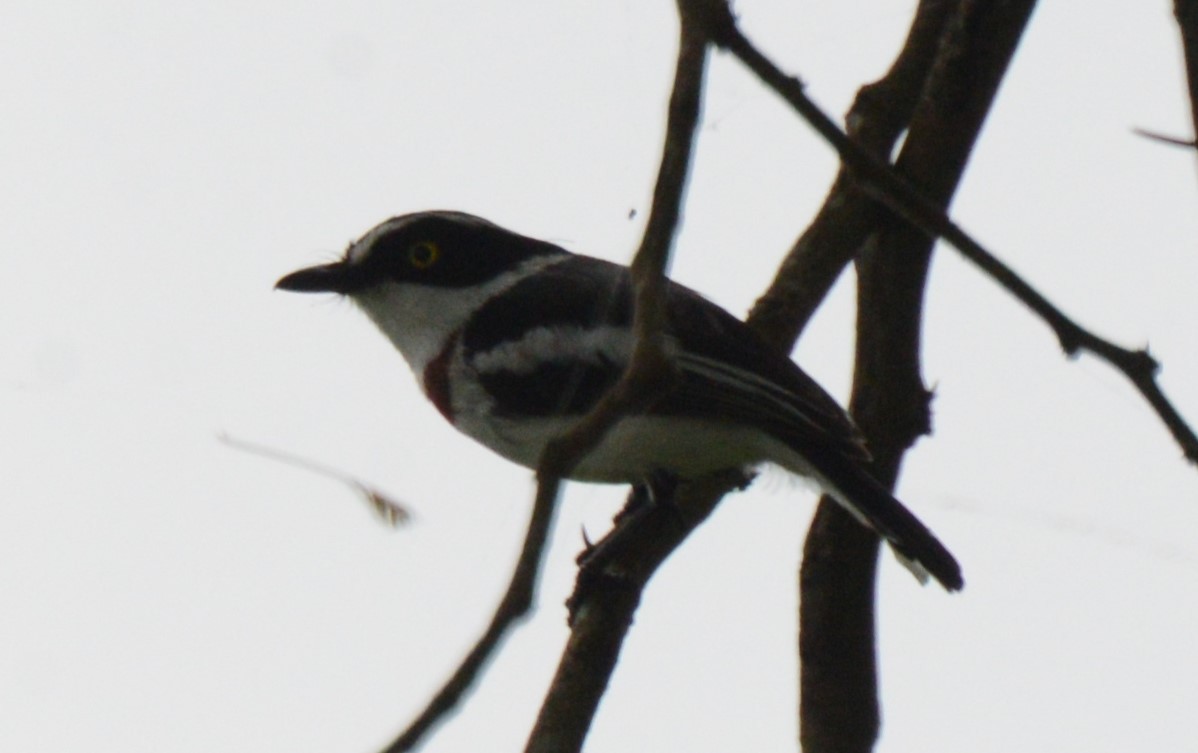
(1173, 140)
(391, 512)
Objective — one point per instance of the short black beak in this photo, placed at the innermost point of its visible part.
(338, 277)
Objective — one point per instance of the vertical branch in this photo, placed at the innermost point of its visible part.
(1186, 12)
(838, 707)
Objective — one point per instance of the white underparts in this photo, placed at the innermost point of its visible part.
(419, 319)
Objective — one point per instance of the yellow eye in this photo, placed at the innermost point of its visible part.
(423, 255)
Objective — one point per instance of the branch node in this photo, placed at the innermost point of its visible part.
(1142, 362)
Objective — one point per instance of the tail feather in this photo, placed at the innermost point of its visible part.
(916, 547)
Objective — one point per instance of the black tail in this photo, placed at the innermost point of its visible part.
(916, 546)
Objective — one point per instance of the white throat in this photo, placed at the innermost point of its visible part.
(419, 319)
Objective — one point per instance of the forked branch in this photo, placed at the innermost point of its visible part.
(896, 194)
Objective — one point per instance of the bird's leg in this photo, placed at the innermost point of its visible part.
(657, 490)
(651, 502)
(653, 497)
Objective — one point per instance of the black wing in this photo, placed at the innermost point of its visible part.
(726, 368)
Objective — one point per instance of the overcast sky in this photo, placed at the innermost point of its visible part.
(163, 164)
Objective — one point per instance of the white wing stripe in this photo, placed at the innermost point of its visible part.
(747, 383)
(556, 344)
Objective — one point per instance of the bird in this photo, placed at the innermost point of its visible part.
(513, 339)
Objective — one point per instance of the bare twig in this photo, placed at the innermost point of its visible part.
(1172, 140)
(890, 189)
(839, 705)
(574, 694)
(391, 512)
(514, 606)
(880, 114)
(649, 372)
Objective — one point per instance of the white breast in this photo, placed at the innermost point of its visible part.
(418, 319)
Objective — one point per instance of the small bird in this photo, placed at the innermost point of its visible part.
(513, 339)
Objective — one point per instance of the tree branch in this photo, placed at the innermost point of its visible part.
(649, 373)
(1186, 12)
(597, 634)
(889, 188)
(838, 702)
(1162, 138)
(512, 609)
(880, 114)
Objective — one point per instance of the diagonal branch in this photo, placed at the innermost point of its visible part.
(514, 606)
(892, 190)
(596, 635)
(879, 115)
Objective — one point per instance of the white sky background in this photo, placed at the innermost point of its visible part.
(161, 165)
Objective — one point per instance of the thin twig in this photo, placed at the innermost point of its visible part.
(391, 512)
(890, 189)
(1171, 140)
(590, 655)
(649, 372)
(516, 602)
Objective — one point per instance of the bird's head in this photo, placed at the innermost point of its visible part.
(420, 276)
(438, 249)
